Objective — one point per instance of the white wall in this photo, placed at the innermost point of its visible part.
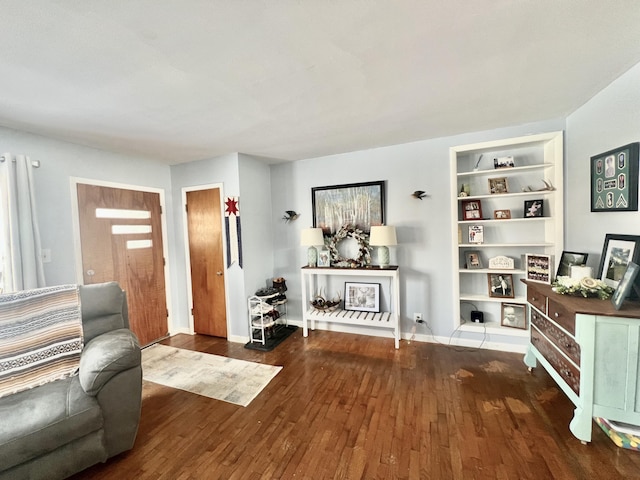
(423, 227)
(610, 119)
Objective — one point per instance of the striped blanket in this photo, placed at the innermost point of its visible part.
(40, 337)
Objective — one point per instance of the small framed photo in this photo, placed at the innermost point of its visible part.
(514, 315)
(476, 234)
(568, 260)
(502, 214)
(625, 285)
(471, 209)
(498, 185)
(538, 267)
(473, 260)
(533, 208)
(324, 258)
(500, 285)
(362, 297)
(503, 162)
(617, 252)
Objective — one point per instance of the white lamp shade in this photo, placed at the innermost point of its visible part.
(311, 237)
(383, 235)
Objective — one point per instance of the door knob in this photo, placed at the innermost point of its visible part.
(219, 274)
(91, 273)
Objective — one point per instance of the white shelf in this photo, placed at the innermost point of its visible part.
(473, 297)
(493, 328)
(504, 245)
(514, 271)
(502, 196)
(489, 221)
(505, 171)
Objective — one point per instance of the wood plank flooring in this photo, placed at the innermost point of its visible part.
(353, 407)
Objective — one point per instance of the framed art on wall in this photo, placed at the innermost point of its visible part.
(362, 297)
(614, 180)
(358, 204)
(617, 252)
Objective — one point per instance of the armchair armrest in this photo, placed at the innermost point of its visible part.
(105, 356)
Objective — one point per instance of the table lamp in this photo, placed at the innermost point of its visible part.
(382, 236)
(311, 237)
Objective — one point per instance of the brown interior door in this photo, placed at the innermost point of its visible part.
(207, 262)
(121, 240)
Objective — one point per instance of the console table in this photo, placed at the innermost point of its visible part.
(591, 350)
(388, 320)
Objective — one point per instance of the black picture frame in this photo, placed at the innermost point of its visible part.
(338, 205)
(617, 252)
(569, 259)
(362, 297)
(614, 180)
(625, 285)
(533, 208)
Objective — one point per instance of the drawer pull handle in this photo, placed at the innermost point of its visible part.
(567, 373)
(556, 314)
(533, 299)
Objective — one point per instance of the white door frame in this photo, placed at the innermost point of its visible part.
(187, 254)
(74, 181)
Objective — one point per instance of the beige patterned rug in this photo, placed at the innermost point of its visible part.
(213, 376)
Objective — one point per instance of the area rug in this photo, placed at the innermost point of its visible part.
(213, 376)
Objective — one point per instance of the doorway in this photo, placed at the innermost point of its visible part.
(121, 239)
(205, 254)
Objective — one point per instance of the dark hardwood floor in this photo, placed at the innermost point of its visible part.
(352, 407)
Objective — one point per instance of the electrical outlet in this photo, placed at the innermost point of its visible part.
(417, 317)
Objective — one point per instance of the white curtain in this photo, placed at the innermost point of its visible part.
(21, 249)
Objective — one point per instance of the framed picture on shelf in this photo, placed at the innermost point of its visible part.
(500, 285)
(358, 204)
(614, 180)
(503, 162)
(498, 185)
(533, 208)
(471, 209)
(626, 284)
(568, 260)
(538, 267)
(502, 214)
(362, 297)
(617, 252)
(476, 234)
(514, 315)
(473, 260)
(324, 258)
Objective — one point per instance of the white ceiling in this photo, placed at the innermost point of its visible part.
(182, 80)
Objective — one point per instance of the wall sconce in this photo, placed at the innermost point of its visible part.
(383, 236)
(311, 237)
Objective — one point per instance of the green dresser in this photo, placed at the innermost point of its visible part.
(592, 352)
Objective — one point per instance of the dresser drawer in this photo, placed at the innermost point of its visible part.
(562, 316)
(537, 299)
(569, 373)
(558, 337)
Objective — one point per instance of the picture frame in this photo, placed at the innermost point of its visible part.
(473, 261)
(617, 252)
(538, 268)
(503, 162)
(514, 315)
(324, 258)
(362, 297)
(471, 209)
(533, 208)
(568, 260)
(500, 285)
(358, 204)
(614, 180)
(502, 214)
(498, 185)
(627, 282)
(476, 233)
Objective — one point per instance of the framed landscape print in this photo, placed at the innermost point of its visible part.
(362, 297)
(569, 259)
(617, 252)
(614, 180)
(627, 282)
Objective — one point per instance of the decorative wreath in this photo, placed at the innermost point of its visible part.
(364, 250)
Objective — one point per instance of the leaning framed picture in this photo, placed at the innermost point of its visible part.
(538, 267)
(627, 282)
(514, 315)
(471, 209)
(617, 252)
(362, 297)
(614, 180)
(533, 208)
(357, 204)
(502, 214)
(498, 185)
(500, 285)
(473, 260)
(568, 260)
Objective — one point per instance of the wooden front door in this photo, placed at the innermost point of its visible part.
(207, 262)
(121, 240)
